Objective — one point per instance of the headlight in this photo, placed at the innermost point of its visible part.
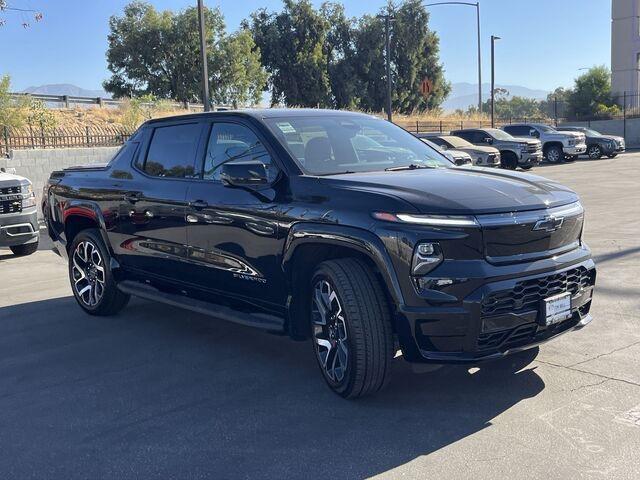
(28, 196)
(523, 147)
(426, 257)
(572, 142)
(431, 220)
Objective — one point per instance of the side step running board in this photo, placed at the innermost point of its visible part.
(265, 321)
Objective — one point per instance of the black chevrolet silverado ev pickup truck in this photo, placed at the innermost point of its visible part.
(331, 226)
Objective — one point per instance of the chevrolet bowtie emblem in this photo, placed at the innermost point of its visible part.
(549, 224)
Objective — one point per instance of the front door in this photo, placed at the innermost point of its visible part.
(235, 244)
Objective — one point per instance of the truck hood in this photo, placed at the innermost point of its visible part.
(478, 149)
(9, 179)
(518, 140)
(460, 190)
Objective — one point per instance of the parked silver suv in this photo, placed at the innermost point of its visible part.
(556, 146)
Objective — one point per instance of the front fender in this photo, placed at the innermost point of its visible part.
(357, 239)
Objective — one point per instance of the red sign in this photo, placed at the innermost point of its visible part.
(426, 87)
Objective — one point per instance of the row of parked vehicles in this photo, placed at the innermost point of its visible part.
(523, 145)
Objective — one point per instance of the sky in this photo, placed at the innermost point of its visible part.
(544, 42)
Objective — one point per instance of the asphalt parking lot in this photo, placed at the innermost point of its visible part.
(160, 392)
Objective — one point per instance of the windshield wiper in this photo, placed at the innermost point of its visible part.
(412, 166)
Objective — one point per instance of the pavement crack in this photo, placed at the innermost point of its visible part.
(606, 377)
(596, 384)
(605, 354)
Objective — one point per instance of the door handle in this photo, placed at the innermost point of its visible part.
(132, 197)
(198, 204)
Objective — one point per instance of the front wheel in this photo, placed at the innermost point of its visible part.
(613, 155)
(555, 154)
(351, 327)
(526, 167)
(594, 152)
(24, 250)
(509, 160)
(90, 274)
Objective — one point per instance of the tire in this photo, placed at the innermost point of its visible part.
(351, 327)
(554, 154)
(570, 158)
(612, 155)
(526, 167)
(509, 161)
(91, 278)
(24, 250)
(594, 152)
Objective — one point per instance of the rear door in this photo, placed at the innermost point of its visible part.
(235, 244)
(152, 229)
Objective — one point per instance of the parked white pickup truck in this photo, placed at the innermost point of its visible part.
(18, 218)
(556, 146)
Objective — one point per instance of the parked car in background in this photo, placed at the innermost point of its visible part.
(514, 152)
(18, 215)
(482, 156)
(556, 146)
(455, 156)
(597, 143)
(361, 250)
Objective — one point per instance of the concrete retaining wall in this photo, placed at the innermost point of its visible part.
(37, 165)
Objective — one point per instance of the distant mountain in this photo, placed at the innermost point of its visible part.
(465, 94)
(66, 89)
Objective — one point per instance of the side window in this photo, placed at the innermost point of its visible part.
(172, 151)
(519, 131)
(468, 136)
(478, 137)
(235, 143)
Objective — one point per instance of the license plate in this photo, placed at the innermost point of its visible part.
(557, 308)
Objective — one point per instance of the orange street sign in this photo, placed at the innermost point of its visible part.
(426, 87)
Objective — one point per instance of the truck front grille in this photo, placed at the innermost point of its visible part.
(10, 199)
(528, 294)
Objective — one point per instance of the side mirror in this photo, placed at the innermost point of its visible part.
(444, 147)
(534, 133)
(243, 174)
(488, 140)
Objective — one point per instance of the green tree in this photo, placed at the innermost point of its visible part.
(591, 95)
(369, 64)
(292, 50)
(13, 112)
(240, 78)
(415, 51)
(158, 53)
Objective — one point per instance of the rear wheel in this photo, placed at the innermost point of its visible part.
(554, 154)
(90, 274)
(594, 152)
(24, 250)
(351, 327)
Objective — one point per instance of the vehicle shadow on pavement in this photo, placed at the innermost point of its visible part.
(160, 392)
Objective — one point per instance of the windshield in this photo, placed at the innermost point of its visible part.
(457, 142)
(325, 145)
(591, 133)
(499, 134)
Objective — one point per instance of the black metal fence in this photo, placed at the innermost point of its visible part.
(33, 137)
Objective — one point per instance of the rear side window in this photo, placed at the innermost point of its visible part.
(172, 151)
(125, 154)
(518, 131)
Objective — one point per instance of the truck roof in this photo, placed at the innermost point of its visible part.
(264, 113)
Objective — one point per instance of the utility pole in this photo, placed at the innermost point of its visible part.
(203, 57)
(479, 61)
(387, 47)
(493, 80)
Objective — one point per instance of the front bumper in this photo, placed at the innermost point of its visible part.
(576, 150)
(19, 228)
(616, 148)
(480, 328)
(530, 159)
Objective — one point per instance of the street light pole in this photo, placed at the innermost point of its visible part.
(493, 79)
(203, 57)
(387, 54)
(477, 5)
